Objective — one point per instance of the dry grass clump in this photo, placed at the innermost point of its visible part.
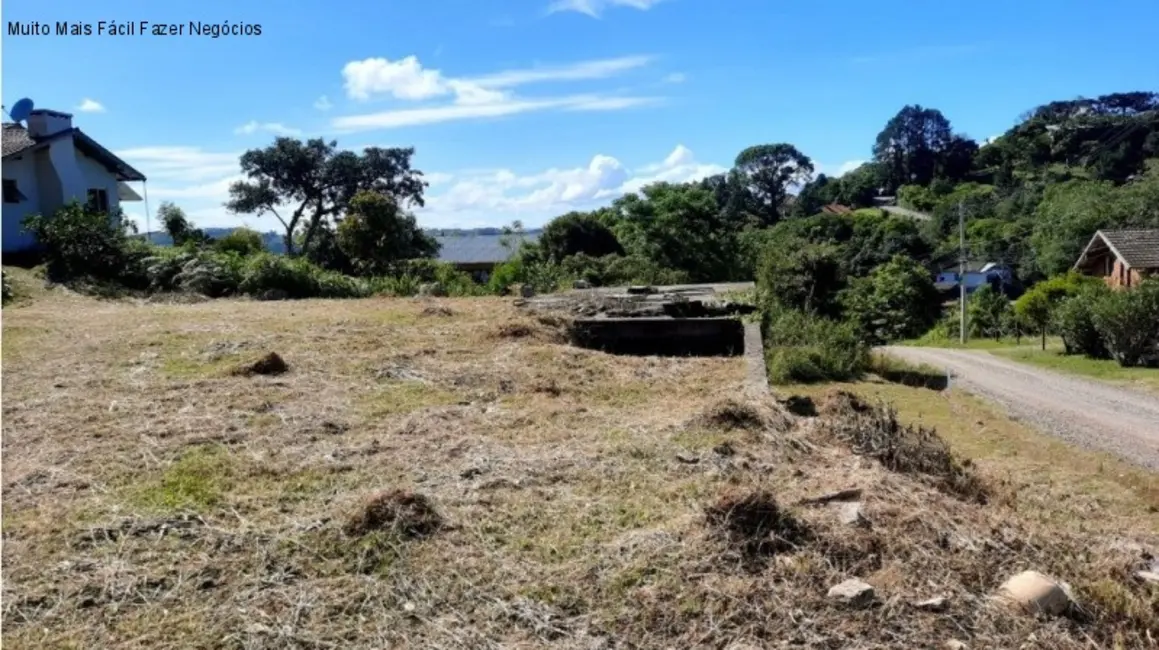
(733, 415)
(875, 431)
(841, 403)
(270, 363)
(438, 311)
(755, 523)
(407, 514)
(546, 328)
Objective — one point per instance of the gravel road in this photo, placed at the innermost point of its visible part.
(1083, 412)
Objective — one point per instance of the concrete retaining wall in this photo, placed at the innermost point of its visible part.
(662, 336)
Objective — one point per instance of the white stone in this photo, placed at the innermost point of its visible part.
(852, 514)
(852, 592)
(1036, 592)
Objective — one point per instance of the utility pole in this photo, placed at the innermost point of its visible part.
(962, 274)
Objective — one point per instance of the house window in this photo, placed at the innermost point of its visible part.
(99, 200)
(11, 192)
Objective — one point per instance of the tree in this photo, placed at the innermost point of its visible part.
(1071, 212)
(377, 234)
(897, 301)
(575, 233)
(312, 181)
(177, 225)
(1036, 307)
(678, 227)
(815, 195)
(859, 187)
(769, 171)
(987, 310)
(913, 146)
(801, 275)
(242, 241)
(1126, 322)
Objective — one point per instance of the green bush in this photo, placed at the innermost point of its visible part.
(401, 286)
(243, 241)
(1074, 322)
(897, 301)
(1128, 322)
(806, 348)
(290, 277)
(79, 243)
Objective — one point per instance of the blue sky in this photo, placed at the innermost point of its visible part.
(525, 109)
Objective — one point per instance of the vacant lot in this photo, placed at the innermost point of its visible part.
(449, 474)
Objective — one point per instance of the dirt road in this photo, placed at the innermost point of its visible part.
(1081, 411)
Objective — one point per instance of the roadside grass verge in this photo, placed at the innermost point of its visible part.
(1054, 358)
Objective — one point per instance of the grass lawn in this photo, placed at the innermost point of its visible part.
(449, 473)
(1053, 358)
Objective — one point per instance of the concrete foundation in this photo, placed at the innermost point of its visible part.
(661, 336)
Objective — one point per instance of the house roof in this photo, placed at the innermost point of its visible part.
(18, 140)
(1137, 247)
(477, 249)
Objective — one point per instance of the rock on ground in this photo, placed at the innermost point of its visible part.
(852, 592)
(1036, 592)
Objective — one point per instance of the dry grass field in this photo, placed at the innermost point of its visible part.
(451, 474)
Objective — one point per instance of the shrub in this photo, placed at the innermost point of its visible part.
(1128, 322)
(577, 233)
(405, 285)
(5, 288)
(988, 310)
(296, 278)
(243, 241)
(807, 348)
(1074, 321)
(897, 301)
(81, 243)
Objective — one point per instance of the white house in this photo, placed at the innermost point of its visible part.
(976, 277)
(50, 163)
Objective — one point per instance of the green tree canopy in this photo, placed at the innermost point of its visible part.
(303, 184)
(376, 234)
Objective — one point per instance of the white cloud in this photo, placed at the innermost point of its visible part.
(407, 79)
(323, 103)
(485, 96)
(435, 114)
(90, 106)
(198, 181)
(676, 78)
(489, 197)
(836, 170)
(277, 128)
(594, 69)
(595, 8)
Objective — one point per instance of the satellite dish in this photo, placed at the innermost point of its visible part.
(21, 109)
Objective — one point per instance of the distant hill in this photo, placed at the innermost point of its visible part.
(271, 240)
(274, 243)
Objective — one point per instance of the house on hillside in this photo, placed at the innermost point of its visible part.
(479, 254)
(49, 163)
(977, 275)
(1123, 258)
